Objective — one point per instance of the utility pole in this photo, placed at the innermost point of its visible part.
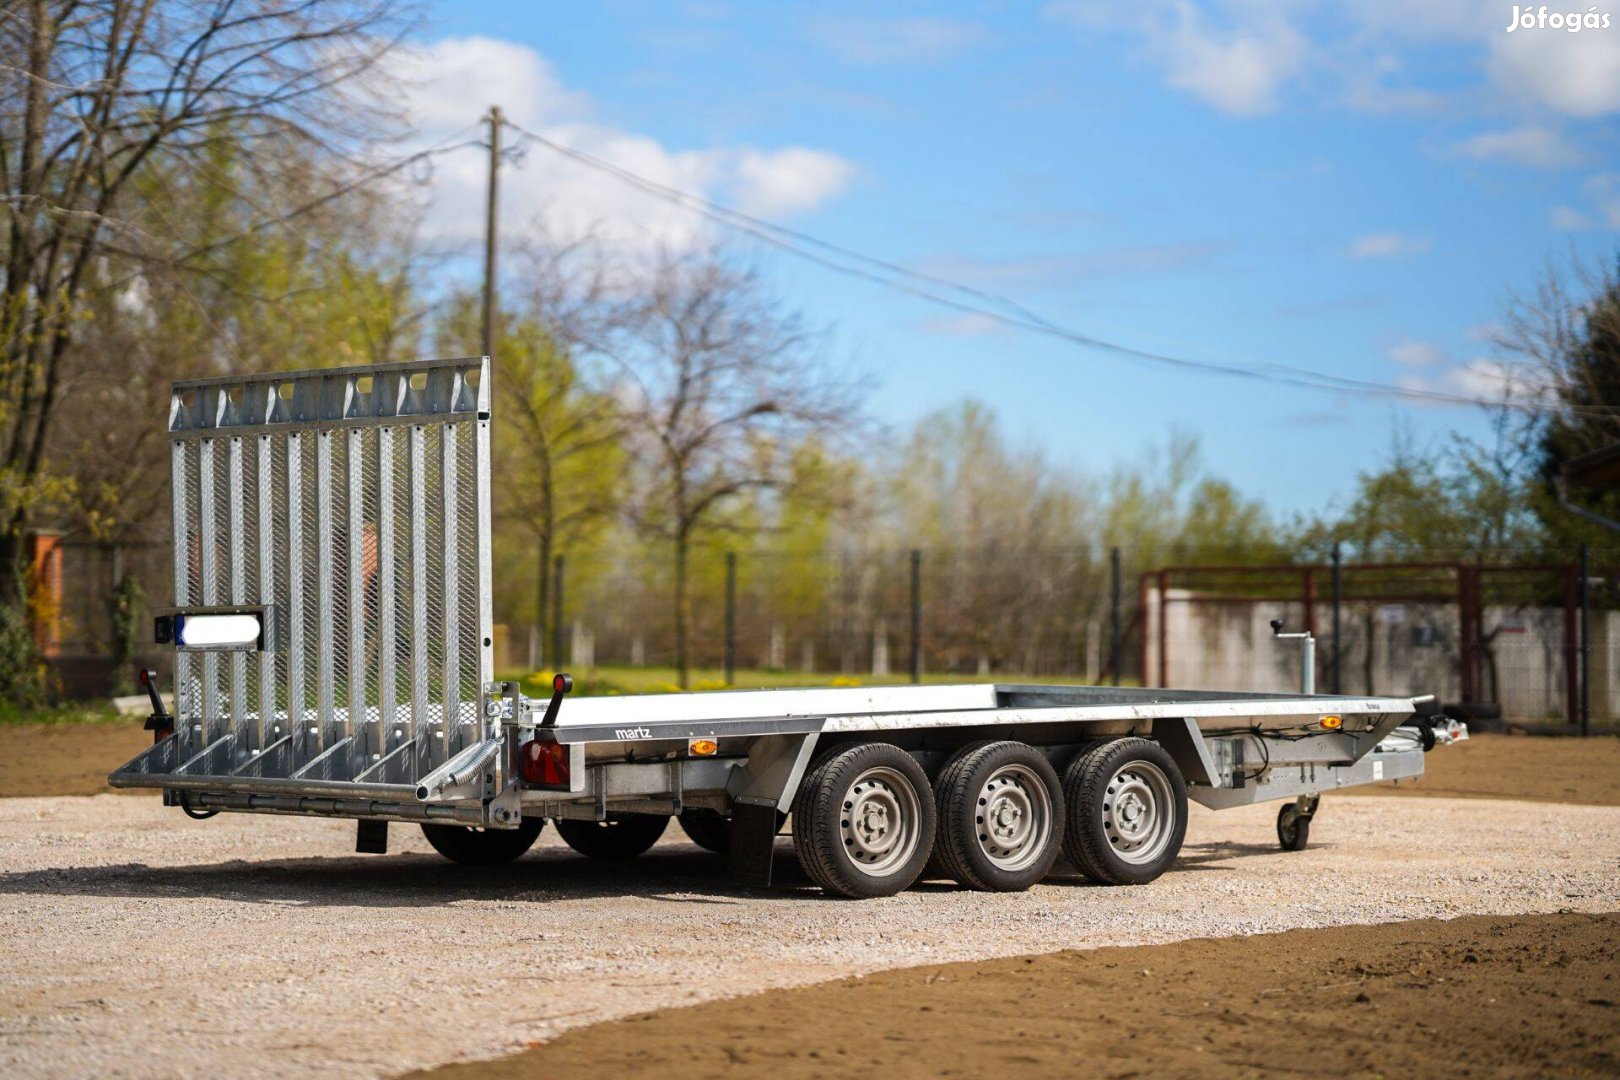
(495, 122)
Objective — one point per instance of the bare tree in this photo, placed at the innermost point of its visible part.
(720, 383)
(97, 98)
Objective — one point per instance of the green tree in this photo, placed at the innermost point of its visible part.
(1006, 533)
(558, 455)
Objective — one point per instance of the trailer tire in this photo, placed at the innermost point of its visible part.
(1127, 811)
(708, 829)
(1293, 828)
(621, 836)
(483, 847)
(864, 820)
(1000, 816)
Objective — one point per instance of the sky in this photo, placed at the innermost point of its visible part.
(1352, 188)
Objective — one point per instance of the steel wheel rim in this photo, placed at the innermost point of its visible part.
(879, 820)
(1013, 817)
(1139, 812)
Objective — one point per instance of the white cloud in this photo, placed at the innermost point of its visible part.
(1240, 55)
(1238, 70)
(1482, 380)
(448, 84)
(874, 42)
(774, 183)
(1569, 219)
(1540, 147)
(1418, 354)
(1237, 67)
(1388, 245)
(970, 324)
(1604, 191)
(1429, 369)
(1574, 74)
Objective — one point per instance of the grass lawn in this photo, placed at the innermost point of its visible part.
(73, 712)
(605, 680)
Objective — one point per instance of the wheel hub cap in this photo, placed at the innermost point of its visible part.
(1138, 812)
(879, 820)
(1013, 817)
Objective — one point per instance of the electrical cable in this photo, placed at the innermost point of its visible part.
(888, 274)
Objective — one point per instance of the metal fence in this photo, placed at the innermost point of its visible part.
(1507, 634)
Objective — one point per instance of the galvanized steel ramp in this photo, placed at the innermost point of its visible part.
(349, 509)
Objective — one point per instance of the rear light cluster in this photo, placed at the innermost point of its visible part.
(545, 764)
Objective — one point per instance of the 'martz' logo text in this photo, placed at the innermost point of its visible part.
(1542, 19)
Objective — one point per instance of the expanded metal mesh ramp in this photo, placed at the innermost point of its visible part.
(352, 505)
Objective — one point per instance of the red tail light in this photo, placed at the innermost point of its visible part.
(545, 764)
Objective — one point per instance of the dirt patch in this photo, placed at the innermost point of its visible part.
(1541, 769)
(1479, 995)
(66, 759)
(260, 924)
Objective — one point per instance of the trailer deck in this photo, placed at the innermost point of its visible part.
(333, 637)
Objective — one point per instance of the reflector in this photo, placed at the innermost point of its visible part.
(544, 764)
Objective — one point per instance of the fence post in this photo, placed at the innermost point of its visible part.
(1142, 617)
(916, 615)
(1164, 628)
(1573, 587)
(1113, 616)
(1586, 642)
(1338, 595)
(558, 567)
(731, 618)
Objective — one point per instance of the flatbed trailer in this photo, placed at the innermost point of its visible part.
(333, 638)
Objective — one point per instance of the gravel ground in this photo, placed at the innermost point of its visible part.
(139, 943)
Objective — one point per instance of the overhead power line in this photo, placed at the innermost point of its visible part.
(1003, 309)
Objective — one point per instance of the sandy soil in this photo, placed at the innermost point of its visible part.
(1540, 769)
(75, 760)
(1536, 996)
(65, 759)
(140, 943)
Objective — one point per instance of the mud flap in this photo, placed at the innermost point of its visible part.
(753, 841)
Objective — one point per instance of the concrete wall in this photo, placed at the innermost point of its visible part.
(1388, 649)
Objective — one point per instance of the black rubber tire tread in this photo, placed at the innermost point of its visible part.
(956, 845)
(1302, 830)
(483, 847)
(708, 829)
(1085, 784)
(816, 813)
(621, 836)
